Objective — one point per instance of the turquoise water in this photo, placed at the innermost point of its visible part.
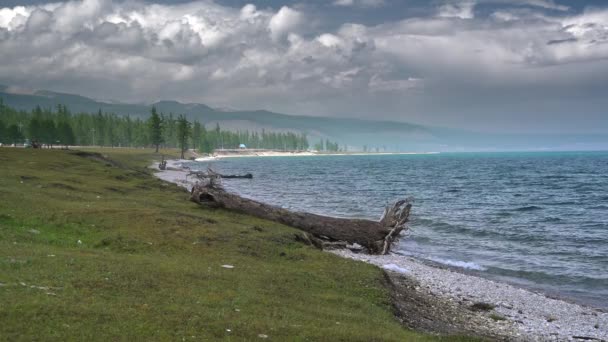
(539, 220)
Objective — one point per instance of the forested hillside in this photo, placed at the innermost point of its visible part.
(62, 127)
(352, 132)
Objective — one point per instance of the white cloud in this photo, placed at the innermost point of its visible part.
(505, 16)
(249, 12)
(545, 4)
(329, 40)
(465, 9)
(359, 3)
(548, 4)
(12, 18)
(284, 22)
(39, 20)
(344, 2)
(462, 10)
(260, 58)
(378, 84)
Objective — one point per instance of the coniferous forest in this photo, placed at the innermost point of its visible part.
(59, 126)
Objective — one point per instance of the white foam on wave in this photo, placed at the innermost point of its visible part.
(205, 159)
(457, 263)
(395, 268)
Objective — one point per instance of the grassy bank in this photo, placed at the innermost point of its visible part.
(92, 249)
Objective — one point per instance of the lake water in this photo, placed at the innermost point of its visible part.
(539, 220)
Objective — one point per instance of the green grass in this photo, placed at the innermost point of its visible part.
(148, 264)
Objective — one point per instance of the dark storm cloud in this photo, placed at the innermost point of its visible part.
(487, 64)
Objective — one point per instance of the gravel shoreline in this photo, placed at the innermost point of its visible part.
(439, 300)
(517, 314)
(174, 173)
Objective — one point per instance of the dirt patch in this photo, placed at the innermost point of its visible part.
(62, 186)
(121, 244)
(28, 178)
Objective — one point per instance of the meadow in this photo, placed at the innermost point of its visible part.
(94, 247)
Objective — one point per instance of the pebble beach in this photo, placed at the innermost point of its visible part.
(521, 314)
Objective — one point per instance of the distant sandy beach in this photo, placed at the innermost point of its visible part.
(249, 154)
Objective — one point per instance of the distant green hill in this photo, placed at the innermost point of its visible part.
(385, 135)
(346, 131)
(76, 103)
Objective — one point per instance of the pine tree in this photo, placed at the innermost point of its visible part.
(66, 134)
(183, 133)
(35, 129)
(196, 134)
(155, 129)
(14, 136)
(219, 141)
(3, 135)
(110, 137)
(99, 131)
(48, 132)
(205, 145)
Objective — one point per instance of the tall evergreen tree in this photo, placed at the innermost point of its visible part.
(205, 142)
(110, 138)
(14, 135)
(127, 132)
(196, 134)
(183, 133)
(65, 134)
(99, 130)
(155, 129)
(49, 132)
(35, 129)
(3, 135)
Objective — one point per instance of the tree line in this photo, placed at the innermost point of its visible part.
(328, 146)
(61, 127)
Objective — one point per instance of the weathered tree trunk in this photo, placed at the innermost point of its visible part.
(163, 164)
(212, 174)
(376, 237)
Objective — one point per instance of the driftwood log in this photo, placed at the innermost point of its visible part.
(212, 174)
(375, 237)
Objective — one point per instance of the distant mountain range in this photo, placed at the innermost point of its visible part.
(385, 135)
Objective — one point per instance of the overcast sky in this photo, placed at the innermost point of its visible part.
(487, 65)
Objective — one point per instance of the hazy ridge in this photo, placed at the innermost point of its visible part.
(384, 135)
